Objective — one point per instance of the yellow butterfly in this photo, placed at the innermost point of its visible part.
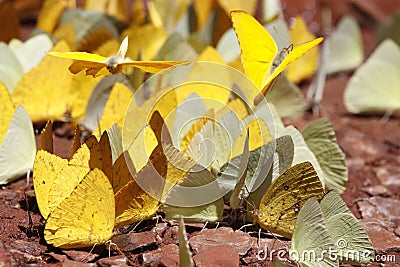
(85, 198)
(261, 59)
(96, 65)
(284, 198)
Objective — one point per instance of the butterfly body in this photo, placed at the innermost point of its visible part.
(113, 62)
(281, 57)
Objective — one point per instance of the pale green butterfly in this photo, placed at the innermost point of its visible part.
(287, 97)
(320, 138)
(375, 86)
(187, 198)
(236, 198)
(18, 147)
(190, 109)
(351, 240)
(212, 145)
(345, 46)
(311, 240)
(259, 173)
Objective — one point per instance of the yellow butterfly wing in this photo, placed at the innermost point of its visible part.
(121, 172)
(7, 110)
(46, 168)
(46, 138)
(297, 52)
(133, 204)
(257, 45)
(259, 50)
(82, 56)
(50, 14)
(152, 66)
(92, 154)
(92, 63)
(113, 8)
(115, 107)
(95, 65)
(140, 198)
(46, 85)
(305, 66)
(284, 198)
(86, 216)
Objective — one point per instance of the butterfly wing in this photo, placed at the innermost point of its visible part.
(84, 218)
(124, 47)
(18, 148)
(320, 138)
(94, 69)
(374, 87)
(350, 238)
(134, 204)
(284, 198)
(257, 45)
(345, 46)
(152, 66)
(311, 238)
(140, 197)
(82, 56)
(45, 170)
(305, 66)
(92, 63)
(297, 52)
(7, 110)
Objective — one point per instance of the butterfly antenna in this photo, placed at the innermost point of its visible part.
(246, 225)
(157, 217)
(90, 252)
(278, 239)
(110, 244)
(249, 196)
(135, 226)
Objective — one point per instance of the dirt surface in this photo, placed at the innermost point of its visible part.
(372, 149)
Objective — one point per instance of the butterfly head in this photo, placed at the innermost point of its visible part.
(112, 63)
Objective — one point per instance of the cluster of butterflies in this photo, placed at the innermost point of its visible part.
(186, 135)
